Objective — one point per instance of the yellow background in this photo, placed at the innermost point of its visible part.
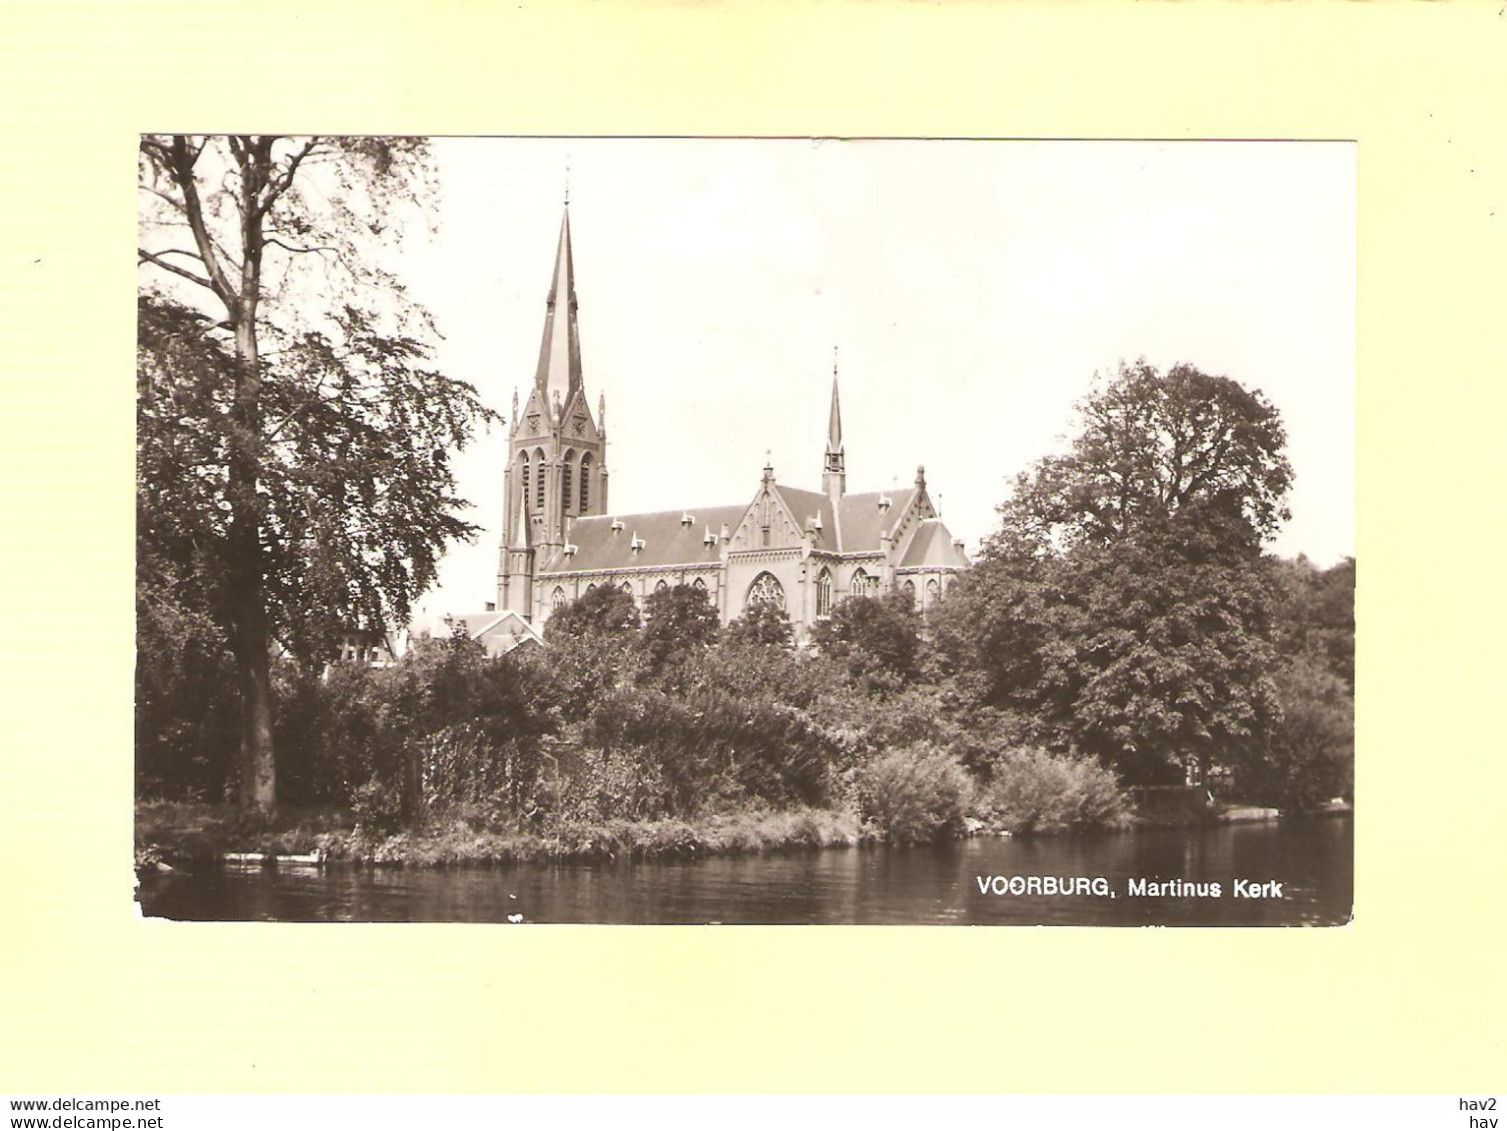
(1407, 998)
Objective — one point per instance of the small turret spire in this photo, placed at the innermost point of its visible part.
(834, 474)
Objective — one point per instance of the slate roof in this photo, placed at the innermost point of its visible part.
(858, 520)
(667, 540)
(852, 526)
(863, 521)
(808, 504)
(931, 545)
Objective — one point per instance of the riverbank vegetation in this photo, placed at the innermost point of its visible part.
(181, 833)
(1122, 627)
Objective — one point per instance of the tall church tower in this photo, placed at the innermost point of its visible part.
(834, 472)
(557, 465)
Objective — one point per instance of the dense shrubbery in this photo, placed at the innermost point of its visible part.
(187, 714)
(915, 795)
(1032, 790)
(1312, 750)
(712, 748)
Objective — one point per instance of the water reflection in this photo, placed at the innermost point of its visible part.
(1311, 860)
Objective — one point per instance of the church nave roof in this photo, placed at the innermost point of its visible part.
(606, 542)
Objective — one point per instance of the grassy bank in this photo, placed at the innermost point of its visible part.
(174, 833)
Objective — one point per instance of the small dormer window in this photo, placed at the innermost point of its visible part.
(708, 539)
(571, 549)
(815, 522)
(637, 544)
(617, 524)
(687, 519)
(885, 502)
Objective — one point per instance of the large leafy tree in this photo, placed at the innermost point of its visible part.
(1316, 614)
(1312, 749)
(679, 623)
(601, 612)
(1124, 599)
(762, 623)
(877, 638)
(592, 649)
(294, 444)
(1150, 446)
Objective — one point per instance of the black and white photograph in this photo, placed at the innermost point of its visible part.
(673, 530)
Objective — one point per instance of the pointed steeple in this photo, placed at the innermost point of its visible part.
(834, 475)
(558, 375)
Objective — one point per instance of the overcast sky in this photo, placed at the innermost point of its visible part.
(972, 288)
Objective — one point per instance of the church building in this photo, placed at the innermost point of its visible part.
(800, 549)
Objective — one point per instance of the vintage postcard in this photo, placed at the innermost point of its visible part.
(745, 531)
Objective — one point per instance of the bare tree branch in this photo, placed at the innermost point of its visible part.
(284, 182)
(149, 257)
(183, 173)
(153, 146)
(177, 251)
(173, 200)
(301, 250)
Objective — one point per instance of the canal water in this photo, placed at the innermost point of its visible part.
(1304, 868)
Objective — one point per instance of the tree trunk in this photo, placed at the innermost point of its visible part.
(258, 771)
(257, 784)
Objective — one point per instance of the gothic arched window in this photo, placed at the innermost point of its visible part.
(699, 584)
(523, 470)
(585, 483)
(660, 587)
(909, 588)
(539, 467)
(766, 589)
(557, 598)
(627, 588)
(860, 585)
(824, 593)
(590, 587)
(567, 469)
(933, 590)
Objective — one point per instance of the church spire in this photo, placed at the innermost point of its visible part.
(834, 475)
(558, 375)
